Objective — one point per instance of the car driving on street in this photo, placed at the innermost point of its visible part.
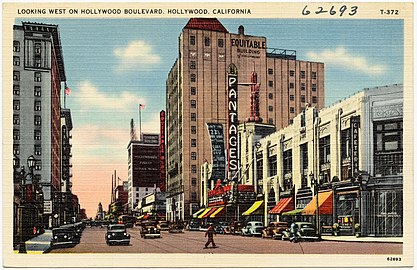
(117, 234)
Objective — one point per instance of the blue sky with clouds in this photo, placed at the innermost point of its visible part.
(113, 65)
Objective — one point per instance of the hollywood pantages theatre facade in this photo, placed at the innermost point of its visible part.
(354, 152)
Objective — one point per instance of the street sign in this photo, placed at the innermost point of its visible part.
(47, 207)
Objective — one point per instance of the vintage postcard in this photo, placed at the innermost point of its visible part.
(226, 134)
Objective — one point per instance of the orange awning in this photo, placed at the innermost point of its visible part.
(325, 204)
(210, 212)
(219, 212)
(284, 205)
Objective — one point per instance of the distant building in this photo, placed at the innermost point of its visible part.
(196, 95)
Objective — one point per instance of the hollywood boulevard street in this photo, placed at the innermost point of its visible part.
(93, 241)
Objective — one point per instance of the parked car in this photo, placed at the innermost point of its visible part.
(252, 228)
(176, 227)
(274, 230)
(193, 225)
(150, 229)
(236, 227)
(163, 225)
(64, 237)
(305, 231)
(117, 234)
(222, 228)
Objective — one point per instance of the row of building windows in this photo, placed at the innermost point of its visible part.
(37, 120)
(207, 41)
(37, 91)
(37, 105)
(37, 148)
(36, 135)
(37, 76)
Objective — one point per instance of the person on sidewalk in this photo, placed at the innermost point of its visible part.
(210, 234)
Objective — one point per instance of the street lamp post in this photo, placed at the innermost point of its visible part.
(315, 184)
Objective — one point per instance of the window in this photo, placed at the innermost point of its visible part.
(37, 136)
(292, 73)
(272, 164)
(193, 78)
(270, 108)
(16, 119)
(193, 91)
(324, 145)
(193, 142)
(345, 152)
(270, 71)
(292, 110)
(314, 99)
(271, 121)
(313, 75)
(16, 134)
(270, 83)
(193, 196)
(38, 150)
(16, 105)
(314, 87)
(259, 167)
(38, 165)
(302, 74)
(16, 149)
(193, 104)
(303, 86)
(193, 129)
(194, 168)
(37, 91)
(287, 156)
(194, 181)
(220, 43)
(303, 98)
(37, 62)
(192, 40)
(206, 41)
(193, 155)
(304, 164)
(16, 61)
(37, 120)
(193, 117)
(270, 96)
(388, 148)
(291, 85)
(38, 77)
(16, 90)
(292, 97)
(38, 106)
(16, 75)
(38, 49)
(16, 46)
(192, 65)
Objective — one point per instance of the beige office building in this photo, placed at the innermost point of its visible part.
(196, 92)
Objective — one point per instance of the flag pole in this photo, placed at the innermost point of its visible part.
(140, 122)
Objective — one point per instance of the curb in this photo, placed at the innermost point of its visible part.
(362, 241)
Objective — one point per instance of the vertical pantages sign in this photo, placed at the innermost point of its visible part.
(162, 151)
(217, 151)
(232, 128)
(354, 127)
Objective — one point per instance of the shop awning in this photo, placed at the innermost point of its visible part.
(140, 217)
(203, 213)
(284, 205)
(325, 204)
(253, 208)
(146, 216)
(211, 211)
(294, 212)
(195, 215)
(217, 212)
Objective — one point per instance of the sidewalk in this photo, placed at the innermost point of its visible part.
(39, 244)
(363, 239)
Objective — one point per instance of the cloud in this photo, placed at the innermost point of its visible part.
(342, 58)
(136, 55)
(89, 97)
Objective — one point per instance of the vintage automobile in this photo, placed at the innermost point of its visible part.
(77, 230)
(150, 229)
(193, 225)
(252, 228)
(117, 234)
(274, 230)
(305, 231)
(64, 237)
(236, 227)
(176, 227)
(222, 228)
(163, 225)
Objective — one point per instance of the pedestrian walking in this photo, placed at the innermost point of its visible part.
(210, 234)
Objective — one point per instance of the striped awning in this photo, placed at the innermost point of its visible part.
(253, 208)
(293, 212)
(325, 204)
(211, 211)
(284, 205)
(215, 213)
(204, 213)
(195, 215)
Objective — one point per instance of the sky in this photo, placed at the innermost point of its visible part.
(112, 65)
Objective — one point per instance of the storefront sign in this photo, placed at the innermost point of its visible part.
(162, 151)
(217, 151)
(47, 207)
(232, 82)
(354, 127)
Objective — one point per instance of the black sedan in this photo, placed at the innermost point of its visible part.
(64, 237)
(117, 234)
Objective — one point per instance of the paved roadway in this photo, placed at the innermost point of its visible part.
(93, 241)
